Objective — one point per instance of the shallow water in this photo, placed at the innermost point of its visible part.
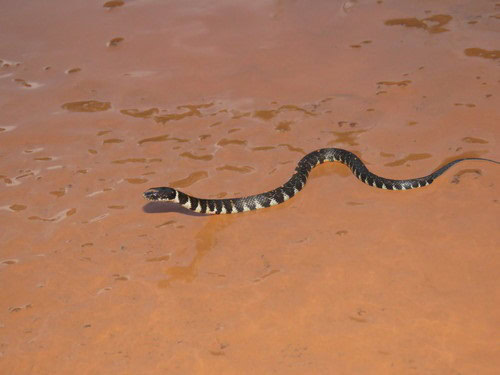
(100, 101)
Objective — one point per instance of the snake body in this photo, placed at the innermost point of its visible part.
(295, 184)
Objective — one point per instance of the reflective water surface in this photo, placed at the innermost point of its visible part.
(101, 100)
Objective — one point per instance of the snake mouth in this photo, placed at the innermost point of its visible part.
(151, 194)
(159, 194)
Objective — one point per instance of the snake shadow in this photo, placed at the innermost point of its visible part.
(162, 207)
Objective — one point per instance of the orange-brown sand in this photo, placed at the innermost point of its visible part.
(101, 100)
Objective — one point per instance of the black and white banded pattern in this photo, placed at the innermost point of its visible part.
(295, 184)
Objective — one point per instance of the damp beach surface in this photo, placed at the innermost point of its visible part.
(101, 100)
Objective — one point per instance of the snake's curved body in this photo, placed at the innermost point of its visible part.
(295, 184)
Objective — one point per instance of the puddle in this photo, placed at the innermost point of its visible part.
(163, 258)
(136, 160)
(474, 140)
(73, 70)
(17, 207)
(225, 142)
(113, 4)
(27, 84)
(136, 180)
(196, 157)
(9, 262)
(188, 111)
(87, 106)
(263, 148)
(189, 180)
(162, 138)
(115, 41)
(346, 137)
(484, 53)
(232, 168)
(433, 24)
(148, 113)
(283, 126)
(394, 83)
(113, 140)
(271, 113)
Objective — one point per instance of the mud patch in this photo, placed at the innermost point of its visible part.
(87, 106)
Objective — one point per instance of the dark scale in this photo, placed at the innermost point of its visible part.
(193, 202)
(227, 205)
(278, 196)
(218, 206)
(183, 198)
(295, 184)
(211, 204)
(203, 204)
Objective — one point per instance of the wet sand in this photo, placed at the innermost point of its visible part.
(101, 100)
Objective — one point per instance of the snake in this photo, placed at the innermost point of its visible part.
(295, 184)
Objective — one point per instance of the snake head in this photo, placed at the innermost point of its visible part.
(160, 194)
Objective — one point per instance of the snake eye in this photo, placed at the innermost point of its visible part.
(160, 194)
